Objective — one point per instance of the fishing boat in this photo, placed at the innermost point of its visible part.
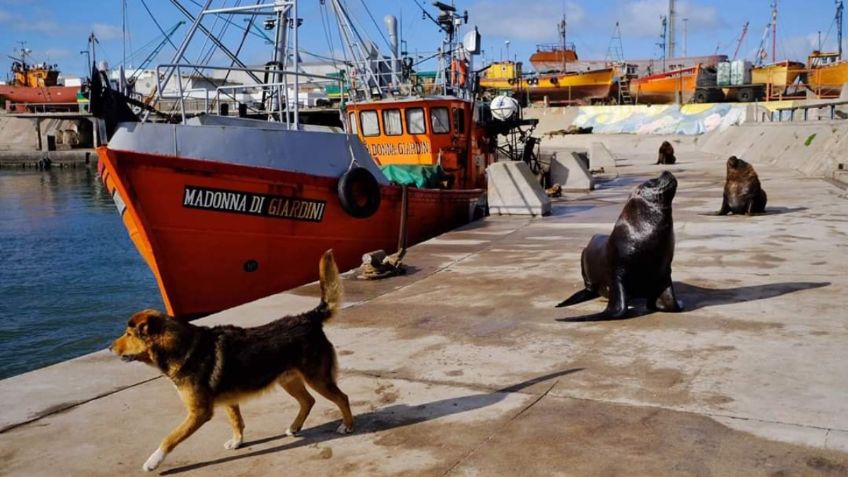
(226, 210)
(36, 84)
(826, 74)
(778, 77)
(555, 88)
(665, 88)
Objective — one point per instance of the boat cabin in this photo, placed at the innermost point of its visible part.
(817, 59)
(425, 132)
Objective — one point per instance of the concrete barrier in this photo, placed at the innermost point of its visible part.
(514, 190)
(569, 170)
(600, 159)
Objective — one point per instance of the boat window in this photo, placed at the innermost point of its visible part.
(352, 118)
(459, 120)
(370, 123)
(439, 120)
(391, 122)
(415, 123)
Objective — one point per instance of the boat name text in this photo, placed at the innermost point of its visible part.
(253, 204)
(403, 148)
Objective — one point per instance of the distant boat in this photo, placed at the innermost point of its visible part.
(669, 87)
(37, 84)
(565, 88)
(827, 74)
(778, 77)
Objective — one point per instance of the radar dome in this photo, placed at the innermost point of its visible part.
(504, 107)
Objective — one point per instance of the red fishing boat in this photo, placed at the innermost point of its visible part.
(37, 84)
(226, 210)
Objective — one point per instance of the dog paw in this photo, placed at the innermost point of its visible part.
(343, 429)
(232, 444)
(292, 432)
(154, 460)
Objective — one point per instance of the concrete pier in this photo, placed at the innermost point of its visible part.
(459, 367)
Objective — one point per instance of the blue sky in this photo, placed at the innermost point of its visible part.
(57, 29)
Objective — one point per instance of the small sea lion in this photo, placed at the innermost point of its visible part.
(666, 154)
(635, 260)
(742, 191)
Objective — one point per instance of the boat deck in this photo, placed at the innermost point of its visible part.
(459, 367)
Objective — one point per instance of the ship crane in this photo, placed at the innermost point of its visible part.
(741, 39)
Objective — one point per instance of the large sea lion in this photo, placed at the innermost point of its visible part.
(666, 154)
(635, 260)
(742, 191)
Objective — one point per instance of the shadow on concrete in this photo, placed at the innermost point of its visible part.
(695, 297)
(383, 419)
(769, 211)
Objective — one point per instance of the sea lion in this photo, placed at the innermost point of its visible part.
(742, 191)
(635, 260)
(666, 154)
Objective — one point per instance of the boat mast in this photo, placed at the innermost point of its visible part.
(662, 43)
(671, 17)
(562, 47)
(839, 26)
(774, 31)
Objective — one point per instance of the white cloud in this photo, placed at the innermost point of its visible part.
(641, 18)
(523, 19)
(104, 31)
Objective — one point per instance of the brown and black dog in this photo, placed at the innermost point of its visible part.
(227, 364)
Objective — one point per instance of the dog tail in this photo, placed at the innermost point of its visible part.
(331, 286)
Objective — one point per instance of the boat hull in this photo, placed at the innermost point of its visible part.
(826, 81)
(665, 88)
(206, 259)
(23, 95)
(569, 88)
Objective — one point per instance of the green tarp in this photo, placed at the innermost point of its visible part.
(423, 177)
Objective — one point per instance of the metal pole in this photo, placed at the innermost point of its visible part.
(296, 76)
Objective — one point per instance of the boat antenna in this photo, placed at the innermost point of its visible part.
(615, 50)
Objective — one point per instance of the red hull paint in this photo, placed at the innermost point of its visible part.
(48, 94)
(199, 256)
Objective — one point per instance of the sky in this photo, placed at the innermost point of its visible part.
(56, 30)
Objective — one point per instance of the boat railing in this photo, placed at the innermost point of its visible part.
(279, 91)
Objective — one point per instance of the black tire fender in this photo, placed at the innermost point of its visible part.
(359, 193)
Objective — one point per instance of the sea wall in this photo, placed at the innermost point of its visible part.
(813, 148)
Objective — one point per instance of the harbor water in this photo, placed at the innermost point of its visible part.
(69, 274)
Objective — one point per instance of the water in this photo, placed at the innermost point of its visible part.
(69, 274)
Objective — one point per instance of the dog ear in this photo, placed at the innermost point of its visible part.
(151, 326)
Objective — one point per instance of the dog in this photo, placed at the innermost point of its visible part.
(224, 365)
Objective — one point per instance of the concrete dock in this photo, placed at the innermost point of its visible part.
(460, 367)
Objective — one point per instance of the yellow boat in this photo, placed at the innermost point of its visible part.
(827, 73)
(564, 88)
(777, 77)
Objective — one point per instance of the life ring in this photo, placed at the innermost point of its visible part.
(359, 193)
(459, 72)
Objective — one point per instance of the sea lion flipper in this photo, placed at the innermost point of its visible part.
(725, 207)
(579, 297)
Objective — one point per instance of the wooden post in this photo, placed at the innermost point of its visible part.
(38, 132)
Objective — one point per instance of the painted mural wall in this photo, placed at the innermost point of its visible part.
(687, 119)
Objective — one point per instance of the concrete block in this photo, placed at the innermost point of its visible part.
(514, 190)
(601, 159)
(571, 171)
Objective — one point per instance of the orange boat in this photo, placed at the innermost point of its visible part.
(37, 84)
(666, 88)
(778, 77)
(827, 74)
(564, 88)
(226, 210)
